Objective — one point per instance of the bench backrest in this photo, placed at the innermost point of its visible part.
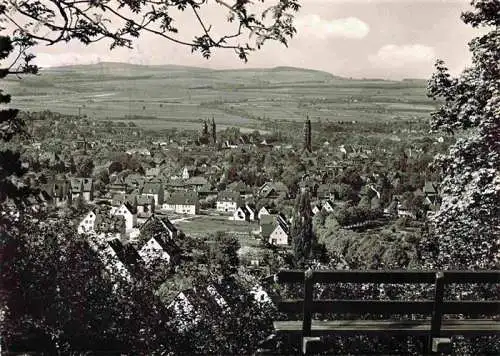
(435, 307)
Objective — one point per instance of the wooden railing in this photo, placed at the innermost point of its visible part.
(436, 328)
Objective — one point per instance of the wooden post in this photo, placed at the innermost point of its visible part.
(308, 301)
(437, 311)
(307, 311)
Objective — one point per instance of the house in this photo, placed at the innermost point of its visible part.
(280, 236)
(188, 172)
(404, 209)
(316, 208)
(263, 211)
(241, 214)
(196, 183)
(432, 210)
(155, 191)
(228, 201)
(106, 225)
(275, 230)
(392, 209)
(152, 172)
(251, 211)
(191, 304)
(58, 191)
(118, 186)
(88, 189)
(109, 257)
(128, 256)
(182, 203)
(177, 185)
(128, 212)
(87, 224)
(184, 310)
(273, 190)
(281, 218)
(160, 228)
(431, 192)
(155, 251)
(229, 144)
(82, 187)
(119, 199)
(328, 206)
(145, 205)
(325, 192)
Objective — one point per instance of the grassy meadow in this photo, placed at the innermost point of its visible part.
(176, 96)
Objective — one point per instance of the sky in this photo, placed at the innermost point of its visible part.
(391, 39)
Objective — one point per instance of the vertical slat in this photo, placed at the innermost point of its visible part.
(308, 301)
(437, 310)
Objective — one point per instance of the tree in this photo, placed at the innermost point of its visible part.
(115, 166)
(234, 330)
(56, 296)
(85, 167)
(11, 169)
(466, 226)
(302, 228)
(351, 177)
(224, 254)
(344, 191)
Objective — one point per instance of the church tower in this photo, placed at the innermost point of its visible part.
(205, 128)
(307, 135)
(214, 132)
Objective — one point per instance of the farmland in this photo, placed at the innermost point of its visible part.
(175, 96)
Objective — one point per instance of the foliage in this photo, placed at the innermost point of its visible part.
(234, 330)
(53, 21)
(467, 225)
(224, 254)
(11, 169)
(57, 298)
(85, 167)
(355, 215)
(302, 230)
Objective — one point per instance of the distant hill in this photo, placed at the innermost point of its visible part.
(271, 75)
(178, 96)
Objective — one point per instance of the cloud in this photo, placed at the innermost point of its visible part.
(61, 59)
(404, 55)
(314, 25)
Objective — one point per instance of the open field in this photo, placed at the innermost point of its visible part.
(174, 96)
(204, 225)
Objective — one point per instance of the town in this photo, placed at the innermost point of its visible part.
(339, 195)
(140, 200)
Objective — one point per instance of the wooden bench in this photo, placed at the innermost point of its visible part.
(436, 329)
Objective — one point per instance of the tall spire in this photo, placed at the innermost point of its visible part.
(205, 128)
(307, 135)
(214, 132)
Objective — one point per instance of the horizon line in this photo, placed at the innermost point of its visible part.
(228, 69)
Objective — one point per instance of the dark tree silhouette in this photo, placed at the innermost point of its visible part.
(224, 254)
(214, 132)
(467, 223)
(302, 229)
